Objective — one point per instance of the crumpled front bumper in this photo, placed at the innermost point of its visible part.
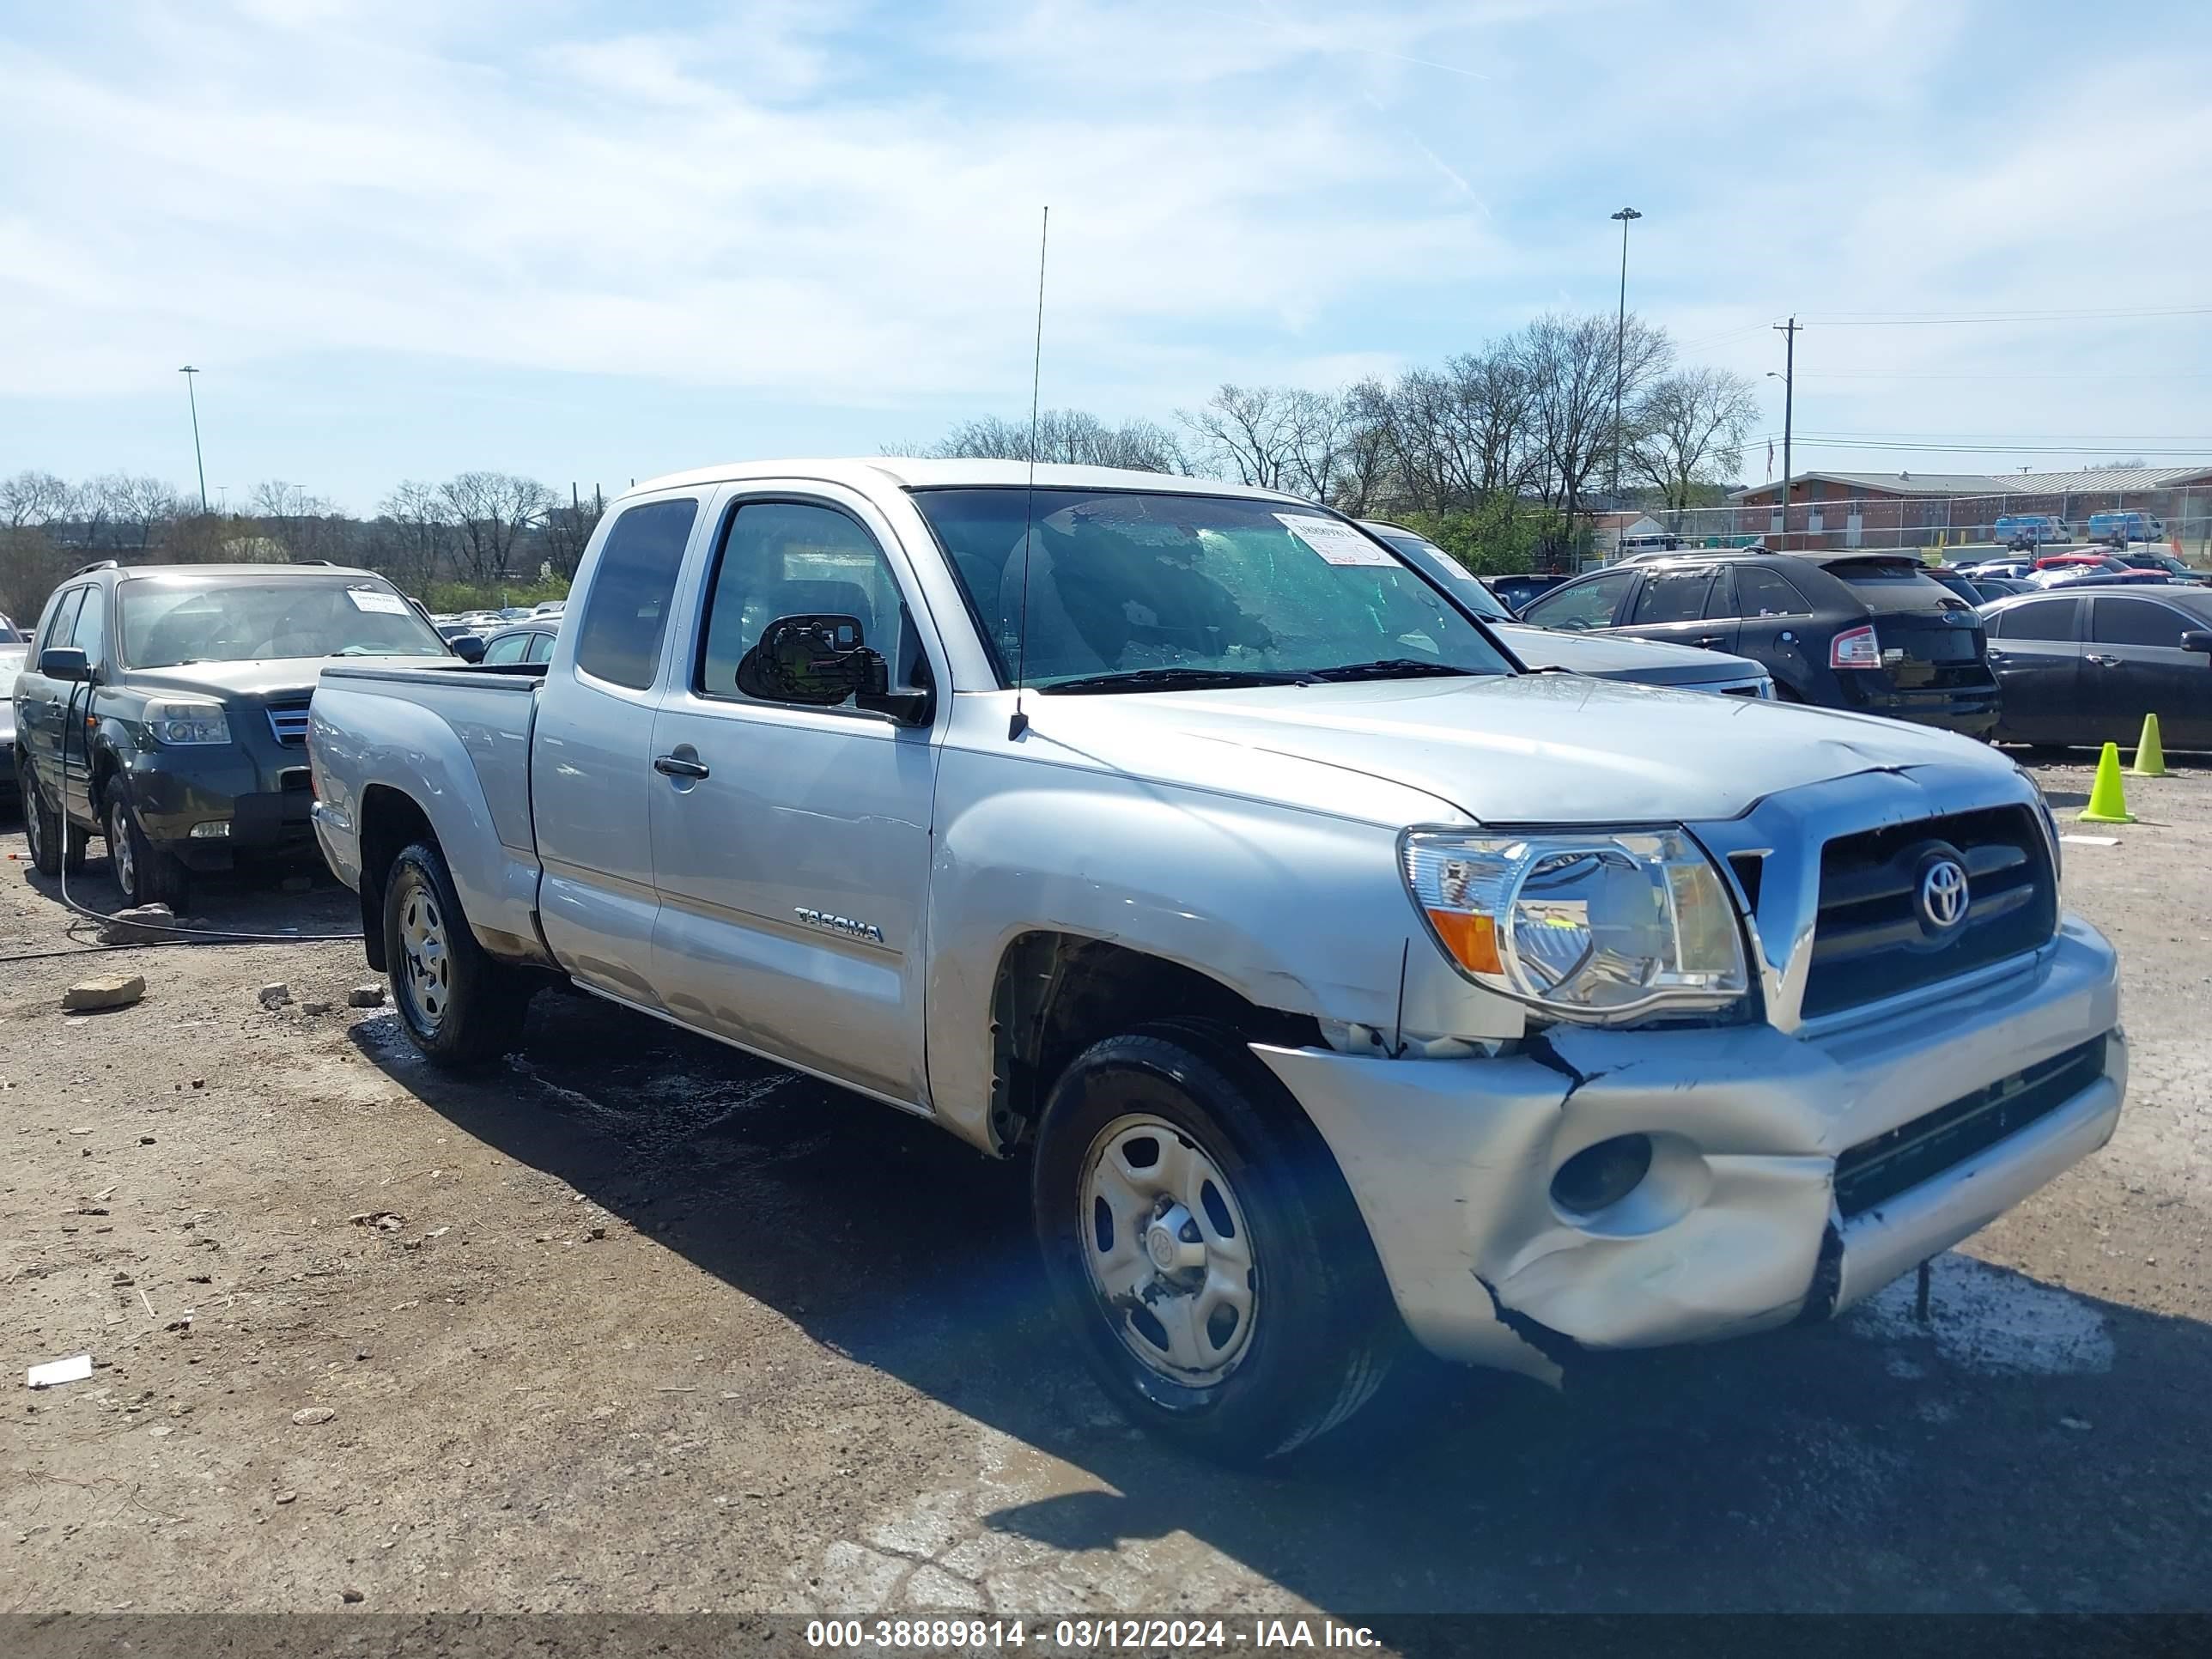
(1736, 1229)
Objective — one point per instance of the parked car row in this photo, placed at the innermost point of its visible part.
(1868, 632)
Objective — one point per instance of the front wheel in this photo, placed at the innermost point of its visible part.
(1204, 1248)
(458, 1005)
(145, 874)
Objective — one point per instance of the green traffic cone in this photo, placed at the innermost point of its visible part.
(2151, 754)
(2108, 800)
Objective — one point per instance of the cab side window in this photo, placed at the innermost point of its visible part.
(798, 559)
(1582, 604)
(507, 647)
(2136, 621)
(1761, 591)
(2046, 619)
(90, 633)
(1675, 595)
(61, 620)
(626, 617)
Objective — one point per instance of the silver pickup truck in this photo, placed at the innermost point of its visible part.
(1338, 977)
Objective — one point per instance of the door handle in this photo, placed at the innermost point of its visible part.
(2108, 662)
(669, 766)
(1709, 642)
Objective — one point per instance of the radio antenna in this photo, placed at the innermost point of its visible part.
(1020, 722)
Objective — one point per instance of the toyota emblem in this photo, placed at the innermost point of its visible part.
(1943, 894)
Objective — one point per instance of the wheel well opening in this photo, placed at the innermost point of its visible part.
(1057, 993)
(390, 822)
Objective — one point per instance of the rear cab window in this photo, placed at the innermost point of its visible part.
(626, 614)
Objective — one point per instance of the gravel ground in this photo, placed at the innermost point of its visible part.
(635, 1323)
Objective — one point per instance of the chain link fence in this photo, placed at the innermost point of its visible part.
(1954, 527)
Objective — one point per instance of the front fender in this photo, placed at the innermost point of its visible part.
(1293, 910)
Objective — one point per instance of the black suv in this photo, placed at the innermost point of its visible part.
(165, 706)
(1869, 632)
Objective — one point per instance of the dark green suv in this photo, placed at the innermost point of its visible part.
(165, 707)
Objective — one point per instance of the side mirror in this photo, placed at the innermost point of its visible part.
(2196, 639)
(468, 647)
(65, 662)
(819, 661)
(908, 705)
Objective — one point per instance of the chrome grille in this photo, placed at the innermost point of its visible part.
(1869, 940)
(288, 724)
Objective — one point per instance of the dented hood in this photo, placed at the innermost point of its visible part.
(1523, 748)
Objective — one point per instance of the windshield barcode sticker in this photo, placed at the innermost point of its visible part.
(368, 598)
(1336, 542)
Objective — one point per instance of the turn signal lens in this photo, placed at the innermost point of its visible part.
(1854, 647)
(1472, 940)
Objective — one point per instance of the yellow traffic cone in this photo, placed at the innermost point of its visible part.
(2108, 800)
(2150, 757)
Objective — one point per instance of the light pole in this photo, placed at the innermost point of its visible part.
(1620, 347)
(188, 371)
(1789, 332)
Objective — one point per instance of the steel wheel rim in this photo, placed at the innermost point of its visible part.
(119, 851)
(429, 964)
(34, 809)
(1167, 1250)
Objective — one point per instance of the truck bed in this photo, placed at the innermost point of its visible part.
(455, 740)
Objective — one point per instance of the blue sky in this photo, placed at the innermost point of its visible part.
(594, 241)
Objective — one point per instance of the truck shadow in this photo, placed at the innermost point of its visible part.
(2027, 1449)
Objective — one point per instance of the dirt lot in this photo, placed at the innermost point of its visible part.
(638, 1323)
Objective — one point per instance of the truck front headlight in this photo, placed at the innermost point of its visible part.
(1594, 925)
(175, 721)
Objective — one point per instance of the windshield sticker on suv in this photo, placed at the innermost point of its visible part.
(368, 598)
(1337, 542)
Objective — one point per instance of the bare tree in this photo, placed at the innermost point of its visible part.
(1074, 436)
(1459, 436)
(1251, 432)
(492, 512)
(139, 509)
(569, 530)
(413, 535)
(34, 500)
(1572, 363)
(1691, 426)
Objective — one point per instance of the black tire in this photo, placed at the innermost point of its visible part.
(464, 1008)
(56, 843)
(147, 874)
(1324, 1329)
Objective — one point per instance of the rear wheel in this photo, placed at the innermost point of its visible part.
(1203, 1247)
(458, 1006)
(56, 844)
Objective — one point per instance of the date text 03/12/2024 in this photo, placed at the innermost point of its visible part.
(1083, 1635)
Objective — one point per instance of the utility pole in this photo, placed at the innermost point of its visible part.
(1789, 332)
(1619, 347)
(188, 371)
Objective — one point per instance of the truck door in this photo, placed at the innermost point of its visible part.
(40, 702)
(791, 842)
(591, 755)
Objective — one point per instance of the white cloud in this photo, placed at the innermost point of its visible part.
(828, 205)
